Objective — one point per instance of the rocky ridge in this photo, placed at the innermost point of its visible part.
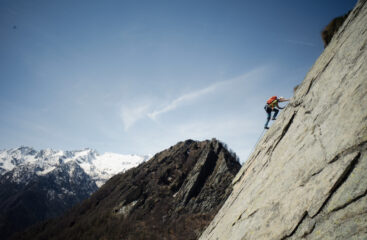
(172, 196)
(307, 177)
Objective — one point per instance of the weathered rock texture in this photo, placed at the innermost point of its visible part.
(174, 195)
(307, 178)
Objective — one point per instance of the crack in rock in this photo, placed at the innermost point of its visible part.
(285, 130)
(355, 199)
(313, 80)
(342, 178)
(305, 214)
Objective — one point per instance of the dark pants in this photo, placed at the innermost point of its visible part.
(268, 111)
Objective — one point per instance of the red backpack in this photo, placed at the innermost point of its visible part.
(272, 99)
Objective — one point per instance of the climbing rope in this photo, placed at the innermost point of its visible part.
(253, 148)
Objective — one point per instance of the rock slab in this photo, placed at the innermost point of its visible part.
(307, 177)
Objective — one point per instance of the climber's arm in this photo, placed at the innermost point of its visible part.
(277, 105)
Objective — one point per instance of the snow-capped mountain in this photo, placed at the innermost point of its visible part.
(38, 185)
(99, 167)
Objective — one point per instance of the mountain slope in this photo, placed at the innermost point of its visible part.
(42, 197)
(172, 196)
(307, 178)
(99, 167)
(38, 185)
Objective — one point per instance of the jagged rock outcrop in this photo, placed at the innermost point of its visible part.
(172, 196)
(307, 177)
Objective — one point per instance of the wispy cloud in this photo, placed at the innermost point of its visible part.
(131, 114)
(186, 98)
(189, 97)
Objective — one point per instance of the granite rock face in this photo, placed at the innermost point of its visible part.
(174, 195)
(307, 177)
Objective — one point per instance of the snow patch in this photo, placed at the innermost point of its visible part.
(45, 171)
(99, 167)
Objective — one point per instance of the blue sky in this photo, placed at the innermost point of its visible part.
(139, 76)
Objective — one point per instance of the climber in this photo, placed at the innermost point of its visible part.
(272, 106)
